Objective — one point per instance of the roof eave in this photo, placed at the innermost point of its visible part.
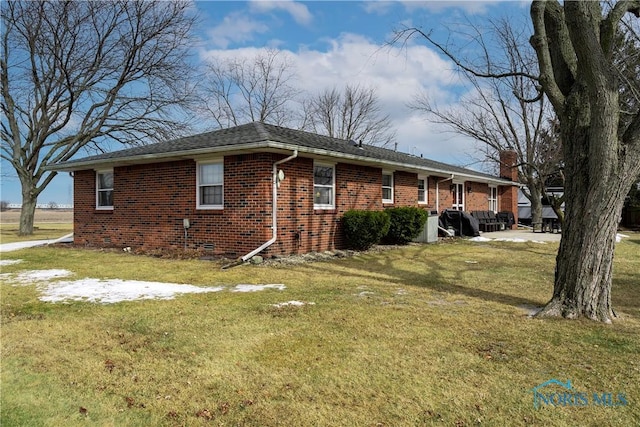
(261, 145)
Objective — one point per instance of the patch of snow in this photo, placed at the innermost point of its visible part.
(402, 292)
(31, 276)
(365, 293)
(108, 291)
(4, 262)
(256, 288)
(514, 240)
(480, 239)
(293, 303)
(116, 290)
(620, 236)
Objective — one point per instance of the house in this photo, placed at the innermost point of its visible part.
(261, 188)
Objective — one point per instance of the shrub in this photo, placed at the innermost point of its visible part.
(406, 223)
(363, 229)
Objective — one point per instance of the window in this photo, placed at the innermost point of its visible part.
(457, 188)
(104, 189)
(323, 186)
(210, 183)
(387, 187)
(422, 189)
(493, 198)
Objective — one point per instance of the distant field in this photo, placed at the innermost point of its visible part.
(12, 216)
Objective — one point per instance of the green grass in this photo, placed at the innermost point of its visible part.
(42, 231)
(423, 335)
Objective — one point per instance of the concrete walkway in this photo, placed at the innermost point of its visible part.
(9, 247)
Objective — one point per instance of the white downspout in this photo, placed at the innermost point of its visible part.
(274, 207)
(438, 191)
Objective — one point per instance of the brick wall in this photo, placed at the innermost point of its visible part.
(151, 201)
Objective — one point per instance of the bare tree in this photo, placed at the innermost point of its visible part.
(578, 52)
(500, 113)
(259, 89)
(80, 74)
(354, 114)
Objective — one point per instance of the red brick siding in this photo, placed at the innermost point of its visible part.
(150, 202)
(405, 189)
(301, 228)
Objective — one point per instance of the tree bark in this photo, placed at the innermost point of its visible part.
(28, 210)
(602, 160)
(536, 203)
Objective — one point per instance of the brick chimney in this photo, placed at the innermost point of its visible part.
(509, 194)
(508, 162)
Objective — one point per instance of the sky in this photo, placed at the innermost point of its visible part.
(333, 43)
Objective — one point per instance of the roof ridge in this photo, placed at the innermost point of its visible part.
(262, 131)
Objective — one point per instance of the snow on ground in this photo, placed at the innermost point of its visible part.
(504, 239)
(4, 262)
(116, 290)
(620, 236)
(293, 303)
(256, 288)
(31, 276)
(109, 291)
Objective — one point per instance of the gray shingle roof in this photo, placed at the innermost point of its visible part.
(262, 135)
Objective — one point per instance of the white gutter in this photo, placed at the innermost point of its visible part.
(438, 191)
(274, 208)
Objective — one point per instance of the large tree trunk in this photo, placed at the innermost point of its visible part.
(584, 263)
(595, 194)
(536, 205)
(574, 48)
(27, 212)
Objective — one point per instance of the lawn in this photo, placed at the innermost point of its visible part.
(421, 335)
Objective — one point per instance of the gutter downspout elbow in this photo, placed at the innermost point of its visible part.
(274, 208)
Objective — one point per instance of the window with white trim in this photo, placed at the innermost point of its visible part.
(210, 185)
(493, 198)
(422, 189)
(387, 187)
(324, 186)
(104, 189)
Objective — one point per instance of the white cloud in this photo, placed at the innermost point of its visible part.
(476, 7)
(235, 28)
(298, 11)
(397, 74)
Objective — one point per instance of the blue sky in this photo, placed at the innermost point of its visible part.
(332, 43)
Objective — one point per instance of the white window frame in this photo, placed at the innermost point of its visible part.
(331, 205)
(425, 199)
(99, 190)
(200, 205)
(458, 189)
(493, 201)
(390, 173)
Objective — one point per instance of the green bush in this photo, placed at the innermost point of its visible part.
(406, 223)
(363, 229)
